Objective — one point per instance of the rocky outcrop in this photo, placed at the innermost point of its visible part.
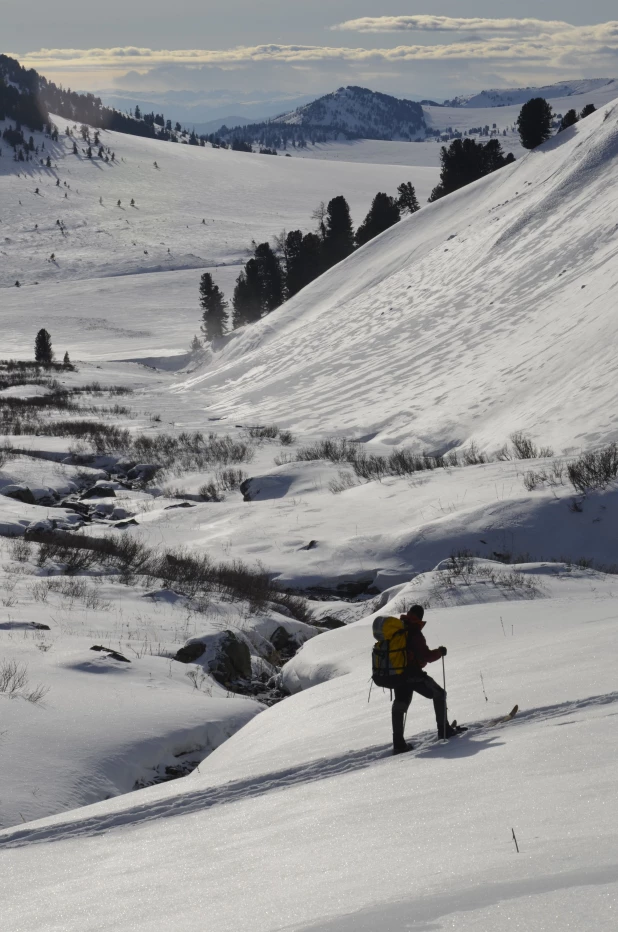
(225, 655)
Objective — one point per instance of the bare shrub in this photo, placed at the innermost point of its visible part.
(190, 573)
(472, 456)
(211, 492)
(14, 682)
(283, 459)
(230, 480)
(263, 433)
(594, 470)
(286, 438)
(547, 476)
(344, 481)
(20, 550)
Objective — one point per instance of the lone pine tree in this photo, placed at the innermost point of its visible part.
(43, 352)
(213, 304)
(534, 122)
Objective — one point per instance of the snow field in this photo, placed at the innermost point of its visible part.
(240, 197)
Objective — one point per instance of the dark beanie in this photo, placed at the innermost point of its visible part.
(417, 610)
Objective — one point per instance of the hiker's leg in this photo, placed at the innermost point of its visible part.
(428, 688)
(403, 697)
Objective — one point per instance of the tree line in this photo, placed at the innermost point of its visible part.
(273, 275)
(28, 98)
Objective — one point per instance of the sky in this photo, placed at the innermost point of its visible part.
(311, 47)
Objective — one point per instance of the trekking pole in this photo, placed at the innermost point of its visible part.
(444, 685)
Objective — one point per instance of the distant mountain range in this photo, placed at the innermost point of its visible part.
(505, 97)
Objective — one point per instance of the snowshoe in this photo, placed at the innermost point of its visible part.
(402, 748)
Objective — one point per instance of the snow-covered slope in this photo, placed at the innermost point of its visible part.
(361, 112)
(303, 821)
(504, 97)
(239, 197)
(490, 311)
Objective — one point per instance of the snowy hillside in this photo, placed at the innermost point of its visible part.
(504, 97)
(239, 197)
(360, 112)
(474, 318)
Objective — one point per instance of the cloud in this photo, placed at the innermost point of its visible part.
(542, 48)
(519, 49)
(426, 23)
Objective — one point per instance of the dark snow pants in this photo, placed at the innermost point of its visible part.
(422, 684)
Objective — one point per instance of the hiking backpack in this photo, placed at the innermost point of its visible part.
(389, 657)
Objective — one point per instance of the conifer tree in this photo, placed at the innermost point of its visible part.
(466, 161)
(384, 212)
(213, 304)
(43, 353)
(534, 122)
(407, 200)
(66, 362)
(303, 260)
(271, 279)
(247, 301)
(339, 233)
(588, 109)
(570, 118)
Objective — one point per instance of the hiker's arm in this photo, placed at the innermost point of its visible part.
(433, 655)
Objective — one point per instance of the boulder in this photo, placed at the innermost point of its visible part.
(190, 652)
(284, 642)
(100, 491)
(225, 655)
(21, 493)
(143, 471)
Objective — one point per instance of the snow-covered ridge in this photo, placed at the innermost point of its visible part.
(476, 317)
(504, 97)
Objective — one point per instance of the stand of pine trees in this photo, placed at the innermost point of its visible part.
(271, 277)
(467, 160)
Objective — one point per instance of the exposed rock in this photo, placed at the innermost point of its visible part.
(190, 652)
(284, 642)
(100, 491)
(21, 493)
(225, 655)
(144, 472)
(110, 653)
(331, 622)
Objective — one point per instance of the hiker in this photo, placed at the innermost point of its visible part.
(415, 680)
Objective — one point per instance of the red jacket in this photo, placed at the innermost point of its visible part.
(419, 654)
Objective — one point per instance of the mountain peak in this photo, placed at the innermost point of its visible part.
(358, 111)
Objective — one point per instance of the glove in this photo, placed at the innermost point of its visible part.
(443, 649)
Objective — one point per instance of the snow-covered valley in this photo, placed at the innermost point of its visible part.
(467, 340)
